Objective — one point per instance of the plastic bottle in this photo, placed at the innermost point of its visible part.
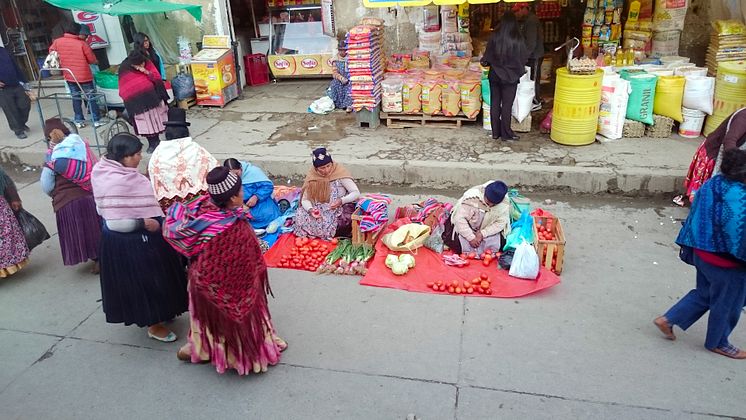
(630, 57)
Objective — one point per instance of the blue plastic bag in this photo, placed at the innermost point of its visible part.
(521, 230)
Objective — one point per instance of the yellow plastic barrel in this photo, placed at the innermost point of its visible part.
(730, 93)
(576, 103)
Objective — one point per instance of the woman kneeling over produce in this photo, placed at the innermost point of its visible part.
(328, 199)
(481, 217)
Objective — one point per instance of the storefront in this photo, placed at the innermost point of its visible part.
(296, 35)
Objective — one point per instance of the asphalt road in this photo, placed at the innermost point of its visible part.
(584, 349)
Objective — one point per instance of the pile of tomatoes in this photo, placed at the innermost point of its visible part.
(486, 258)
(554, 258)
(481, 285)
(545, 232)
(307, 254)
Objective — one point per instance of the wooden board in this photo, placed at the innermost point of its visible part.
(555, 248)
(186, 103)
(401, 120)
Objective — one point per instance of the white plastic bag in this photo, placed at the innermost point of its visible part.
(524, 97)
(323, 105)
(614, 98)
(699, 92)
(525, 262)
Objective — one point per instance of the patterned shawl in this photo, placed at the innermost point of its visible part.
(317, 188)
(179, 167)
(191, 225)
(74, 160)
(122, 193)
(717, 220)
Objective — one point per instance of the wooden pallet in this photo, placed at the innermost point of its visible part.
(186, 103)
(401, 120)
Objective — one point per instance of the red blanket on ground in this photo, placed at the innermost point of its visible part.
(429, 268)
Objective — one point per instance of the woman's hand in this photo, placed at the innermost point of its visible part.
(142, 70)
(152, 225)
(336, 204)
(16, 206)
(477, 240)
(252, 201)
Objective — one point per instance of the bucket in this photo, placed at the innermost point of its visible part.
(576, 104)
(730, 93)
(691, 127)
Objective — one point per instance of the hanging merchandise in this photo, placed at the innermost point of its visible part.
(699, 92)
(463, 18)
(669, 93)
(641, 97)
(613, 110)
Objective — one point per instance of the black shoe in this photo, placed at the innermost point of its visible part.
(21, 135)
(512, 138)
(153, 145)
(495, 137)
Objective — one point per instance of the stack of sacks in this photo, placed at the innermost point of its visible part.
(727, 43)
(668, 22)
(366, 63)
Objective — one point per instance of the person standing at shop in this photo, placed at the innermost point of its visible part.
(143, 44)
(77, 56)
(533, 32)
(13, 99)
(506, 55)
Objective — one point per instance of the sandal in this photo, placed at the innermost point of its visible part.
(730, 351)
(666, 328)
(679, 201)
(185, 353)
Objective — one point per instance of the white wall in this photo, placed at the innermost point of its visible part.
(117, 49)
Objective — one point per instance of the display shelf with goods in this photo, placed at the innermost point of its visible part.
(297, 44)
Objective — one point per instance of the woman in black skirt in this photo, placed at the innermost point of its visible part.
(506, 56)
(143, 280)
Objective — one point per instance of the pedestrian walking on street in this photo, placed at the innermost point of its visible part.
(143, 280)
(141, 42)
(328, 199)
(506, 57)
(731, 134)
(66, 177)
(14, 251)
(144, 96)
(533, 32)
(14, 101)
(228, 281)
(178, 168)
(713, 239)
(77, 56)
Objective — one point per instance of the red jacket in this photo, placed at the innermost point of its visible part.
(76, 55)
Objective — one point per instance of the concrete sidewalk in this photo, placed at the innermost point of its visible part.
(270, 127)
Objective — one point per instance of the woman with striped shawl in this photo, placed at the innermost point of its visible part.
(66, 177)
(228, 282)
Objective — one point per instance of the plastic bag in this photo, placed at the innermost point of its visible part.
(525, 263)
(106, 80)
(506, 259)
(323, 106)
(523, 98)
(33, 230)
(522, 230)
(183, 86)
(518, 204)
(435, 240)
(669, 94)
(699, 93)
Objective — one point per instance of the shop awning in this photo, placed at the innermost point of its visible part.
(393, 3)
(126, 7)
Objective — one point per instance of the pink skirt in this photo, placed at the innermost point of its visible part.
(151, 122)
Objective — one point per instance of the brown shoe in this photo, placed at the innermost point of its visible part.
(185, 353)
(662, 323)
(95, 269)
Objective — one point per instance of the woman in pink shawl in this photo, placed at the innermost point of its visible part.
(143, 280)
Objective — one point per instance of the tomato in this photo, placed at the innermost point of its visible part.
(458, 290)
(431, 284)
(483, 276)
(472, 255)
(442, 288)
(484, 284)
(470, 290)
(454, 283)
(486, 262)
(488, 291)
(467, 284)
(451, 289)
(464, 256)
(439, 283)
(475, 281)
(488, 252)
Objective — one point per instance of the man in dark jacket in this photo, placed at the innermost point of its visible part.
(13, 99)
(533, 31)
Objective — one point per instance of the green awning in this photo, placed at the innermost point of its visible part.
(126, 7)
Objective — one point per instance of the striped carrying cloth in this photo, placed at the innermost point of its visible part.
(375, 212)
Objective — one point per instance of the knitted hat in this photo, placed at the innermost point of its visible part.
(55, 123)
(495, 192)
(176, 118)
(222, 184)
(321, 157)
